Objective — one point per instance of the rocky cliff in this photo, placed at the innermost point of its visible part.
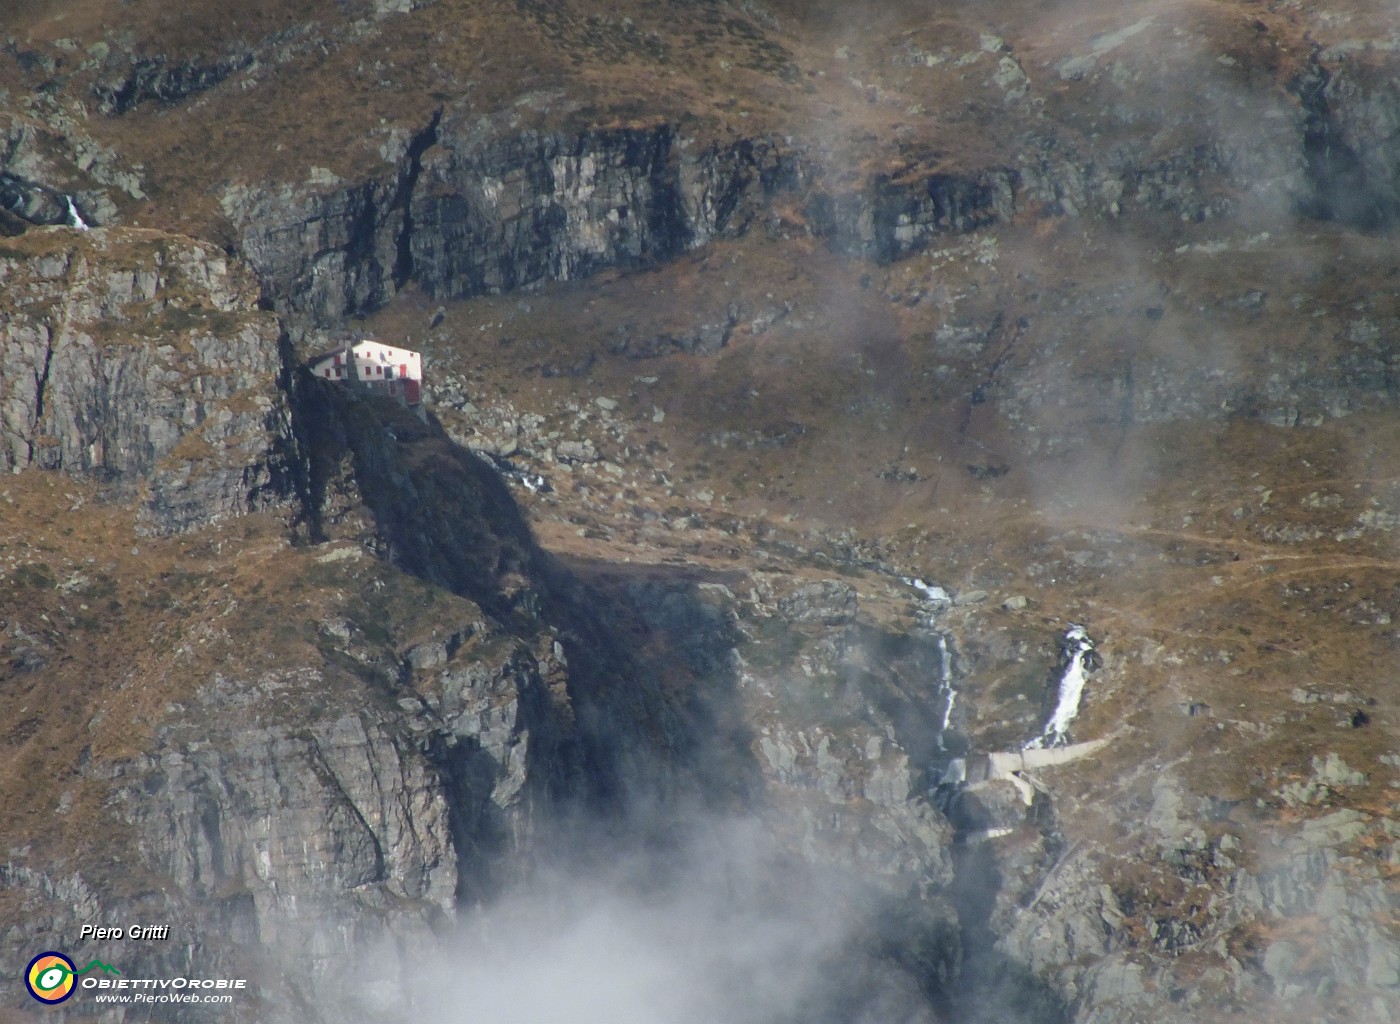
(794, 385)
(139, 360)
(323, 778)
(469, 213)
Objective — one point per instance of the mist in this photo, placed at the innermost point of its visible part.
(721, 925)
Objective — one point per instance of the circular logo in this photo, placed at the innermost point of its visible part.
(49, 977)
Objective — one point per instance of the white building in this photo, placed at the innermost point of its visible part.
(397, 372)
(1015, 766)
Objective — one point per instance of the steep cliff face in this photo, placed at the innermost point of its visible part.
(1151, 923)
(326, 250)
(533, 209)
(468, 213)
(386, 767)
(1067, 313)
(138, 359)
(1352, 120)
(312, 826)
(300, 845)
(893, 218)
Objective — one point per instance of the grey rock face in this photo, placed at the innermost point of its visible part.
(830, 601)
(465, 213)
(84, 389)
(846, 732)
(327, 813)
(47, 156)
(158, 79)
(466, 209)
(890, 219)
(295, 840)
(323, 254)
(1115, 955)
(1352, 121)
(313, 834)
(540, 208)
(464, 216)
(30, 202)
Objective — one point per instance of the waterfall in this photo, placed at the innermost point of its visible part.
(75, 219)
(935, 595)
(945, 685)
(1079, 649)
(937, 599)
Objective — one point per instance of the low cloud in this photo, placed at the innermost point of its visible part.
(720, 926)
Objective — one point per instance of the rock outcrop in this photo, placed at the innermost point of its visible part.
(467, 214)
(1352, 119)
(536, 209)
(469, 209)
(1194, 923)
(24, 203)
(139, 360)
(157, 79)
(380, 704)
(314, 828)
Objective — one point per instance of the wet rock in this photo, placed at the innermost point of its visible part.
(28, 202)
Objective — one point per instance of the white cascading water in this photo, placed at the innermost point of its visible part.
(945, 684)
(933, 594)
(1079, 647)
(938, 599)
(75, 219)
